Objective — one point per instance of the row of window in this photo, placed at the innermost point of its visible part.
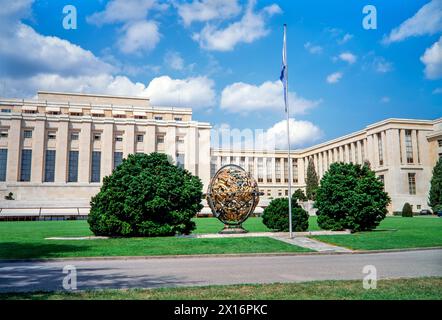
(95, 115)
(49, 165)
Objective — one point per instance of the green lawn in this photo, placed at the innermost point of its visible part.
(398, 289)
(394, 233)
(23, 240)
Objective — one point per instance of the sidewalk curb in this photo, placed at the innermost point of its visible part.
(227, 255)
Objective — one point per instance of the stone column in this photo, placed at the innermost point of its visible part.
(84, 154)
(61, 157)
(38, 151)
(14, 147)
(170, 142)
(404, 152)
(191, 147)
(107, 150)
(301, 170)
(150, 139)
(129, 140)
(414, 138)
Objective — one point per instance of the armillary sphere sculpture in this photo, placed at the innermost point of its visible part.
(232, 195)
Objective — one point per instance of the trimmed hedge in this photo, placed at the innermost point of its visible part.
(276, 216)
(146, 195)
(407, 211)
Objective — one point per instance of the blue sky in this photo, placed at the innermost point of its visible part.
(223, 58)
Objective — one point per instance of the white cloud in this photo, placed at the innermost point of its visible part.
(139, 36)
(313, 49)
(428, 20)
(348, 57)
(432, 58)
(381, 65)
(385, 99)
(270, 139)
(250, 28)
(241, 97)
(334, 77)
(301, 133)
(173, 60)
(194, 92)
(121, 11)
(347, 37)
(23, 51)
(206, 10)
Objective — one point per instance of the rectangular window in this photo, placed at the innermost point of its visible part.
(251, 168)
(269, 169)
(295, 170)
(49, 166)
(73, 166)
(178, 119)
(286, 170)
(158, 118)
(3, 134)
(75, 136)
(412, 183)
(6, 110)
(408, 146)
(25, 166)
(242, 162)
(118, 138)
(96, 166)
(180, 160)
(223, 161)
(118, 158)
(27, 134)
(213, 161)
(3, 163)
(52, 135)
(97, 136)
(260, 170)
(160, 139)
(380, 149)
(140, 138)
(278, 169)
(382, 178)
(439, 143)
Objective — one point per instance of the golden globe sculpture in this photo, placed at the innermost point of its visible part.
(232, 196)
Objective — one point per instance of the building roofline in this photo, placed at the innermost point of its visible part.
(92, 95)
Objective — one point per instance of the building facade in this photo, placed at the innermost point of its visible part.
(56, 149)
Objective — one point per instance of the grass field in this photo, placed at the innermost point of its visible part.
(24, 240)
(394, 233)
(399, 289)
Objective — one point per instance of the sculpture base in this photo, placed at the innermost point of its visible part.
(228, 229)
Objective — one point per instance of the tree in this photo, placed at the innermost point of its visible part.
(276, 216)
(311, 181)
(298, 195)
(146, 195)
(350, 197)
(435, 198)
(407, 211)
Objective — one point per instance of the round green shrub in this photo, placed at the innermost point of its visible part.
(407, 211)
(146, 195)
(276, 216)
(350, 196)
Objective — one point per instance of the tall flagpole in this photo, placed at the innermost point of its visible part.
(287, 111)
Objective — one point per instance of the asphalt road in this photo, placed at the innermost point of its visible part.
(168, 272)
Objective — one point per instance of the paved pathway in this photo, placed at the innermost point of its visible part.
(312, 244)
(188, 271)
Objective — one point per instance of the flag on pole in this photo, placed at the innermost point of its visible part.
(283, 77)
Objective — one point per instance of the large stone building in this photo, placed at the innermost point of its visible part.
(56, 149)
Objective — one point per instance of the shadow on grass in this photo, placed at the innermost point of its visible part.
(25, 250)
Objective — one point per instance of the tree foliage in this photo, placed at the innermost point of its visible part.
(312, 181)
(298, 195)
(350, 197)
(435, 198)
(407, 211)
(276, 216)
(146, 195)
